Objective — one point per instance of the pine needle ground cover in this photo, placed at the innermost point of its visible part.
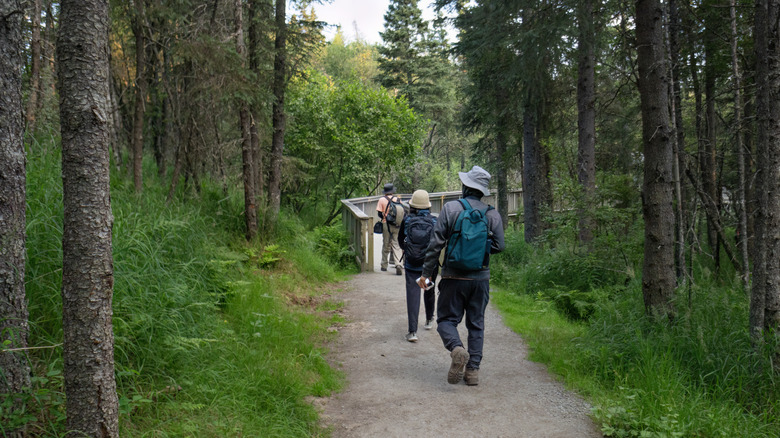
(214, 337)
(698, 377)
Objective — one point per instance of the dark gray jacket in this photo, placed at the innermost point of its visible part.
(441, 234)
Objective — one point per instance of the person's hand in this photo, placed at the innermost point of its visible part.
(421, 282)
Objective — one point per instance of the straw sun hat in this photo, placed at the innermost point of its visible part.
(420, 200)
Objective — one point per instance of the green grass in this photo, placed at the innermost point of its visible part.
(252, 378)
(696, 378)
(213, 336)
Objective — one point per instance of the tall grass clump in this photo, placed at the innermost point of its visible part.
(214, 336)
(698, 376)
(264, 359)
(574, 281)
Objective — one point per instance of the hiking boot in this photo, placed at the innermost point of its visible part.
(428, 324)
(471, 377)
(398, 270)
(459, 357)
(411, 337)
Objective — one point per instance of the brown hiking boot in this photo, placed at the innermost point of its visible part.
(471, 377)
(459, 357)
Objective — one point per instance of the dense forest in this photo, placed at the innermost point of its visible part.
(171, 174)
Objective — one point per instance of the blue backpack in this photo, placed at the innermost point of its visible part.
(468, 248)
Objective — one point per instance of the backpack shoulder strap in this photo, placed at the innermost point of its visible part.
(387, 206)
(465, 203)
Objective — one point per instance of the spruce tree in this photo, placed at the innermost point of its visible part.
(401, 57)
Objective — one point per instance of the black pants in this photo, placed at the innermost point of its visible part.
(456, 298)
(413, 299)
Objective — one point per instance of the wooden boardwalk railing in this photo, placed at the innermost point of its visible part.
(359, 215)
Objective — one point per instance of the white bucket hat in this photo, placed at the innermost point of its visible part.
(420, 200)
(476, 178)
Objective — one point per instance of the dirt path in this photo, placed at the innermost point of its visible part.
(399, 389)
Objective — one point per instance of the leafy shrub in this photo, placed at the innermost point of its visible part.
(576, 304)
(333, 244)
(575, 281)
(563, 269)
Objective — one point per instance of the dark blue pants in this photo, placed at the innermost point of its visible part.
(456, 298)
(413, 299)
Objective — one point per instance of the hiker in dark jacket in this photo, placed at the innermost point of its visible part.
(463, 291)
(413, 236)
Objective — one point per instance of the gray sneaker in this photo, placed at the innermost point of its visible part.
(428, 324)
(471, 377)
(459, 357)
(411, 337)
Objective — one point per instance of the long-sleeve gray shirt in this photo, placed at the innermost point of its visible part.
(441, 234)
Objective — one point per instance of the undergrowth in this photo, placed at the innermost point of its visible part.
(583, 315)
(213, 336)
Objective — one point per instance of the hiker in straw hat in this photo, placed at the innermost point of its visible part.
(414, 236)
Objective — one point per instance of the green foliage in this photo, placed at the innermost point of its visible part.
(42, 409)
(253, 378)
(584, 316)
(341, 138)
(349, 61)
(211, 336)
(575, 281)
(267, 257)
(402, 54)
(333, 244)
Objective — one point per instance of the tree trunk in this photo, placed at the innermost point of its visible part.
(140, 96)
(535, 175)
(765, 293)
(254, 66)
(279, 119)
(35, 72)
(708, 158)
(51, 37)
(501, 165)
(14, 329)
(154, 85)
(250, 205)
(750, 173)
(586, 117)
(740, 151)
(679, 142)
(501, 160)
(713, 216)
(181, 151)
(167, 108)
(87, 263)
(658, 276)
(117, 130)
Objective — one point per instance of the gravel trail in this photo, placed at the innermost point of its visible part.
(398, 389)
